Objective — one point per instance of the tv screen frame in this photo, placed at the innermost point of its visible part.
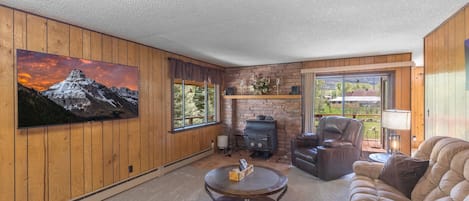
(54, 89)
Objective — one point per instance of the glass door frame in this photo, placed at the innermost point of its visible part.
(386, 92)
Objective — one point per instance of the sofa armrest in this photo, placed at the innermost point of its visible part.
(369, 169)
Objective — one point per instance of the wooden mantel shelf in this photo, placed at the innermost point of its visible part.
(262, 97)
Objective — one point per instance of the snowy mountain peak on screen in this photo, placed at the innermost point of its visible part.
(80, 93)
(127, 94)
(77, 76)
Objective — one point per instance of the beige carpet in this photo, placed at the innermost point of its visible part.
(187, 183)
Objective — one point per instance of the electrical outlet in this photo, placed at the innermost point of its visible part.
(131, 168)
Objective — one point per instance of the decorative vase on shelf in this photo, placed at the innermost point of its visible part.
(242, 86)
(261, 85)
(261, 91)
(277, 84)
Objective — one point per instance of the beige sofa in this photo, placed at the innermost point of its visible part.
(447, 176)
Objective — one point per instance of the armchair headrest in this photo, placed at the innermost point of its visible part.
(334, 124)
(340, 128)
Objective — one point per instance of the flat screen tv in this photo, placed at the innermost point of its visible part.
(54, 89)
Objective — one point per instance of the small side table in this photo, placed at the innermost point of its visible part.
(379, 157)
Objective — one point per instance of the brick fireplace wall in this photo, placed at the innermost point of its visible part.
(287, 112)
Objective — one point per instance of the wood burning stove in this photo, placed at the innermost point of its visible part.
(261, 136)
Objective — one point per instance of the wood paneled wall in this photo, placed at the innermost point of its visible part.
(446, 99)
(66, 161)
(417, 105)
(358, 60)
(402, 82)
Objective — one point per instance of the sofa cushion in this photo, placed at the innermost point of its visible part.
(307, 154)
(447, 177)
(403, 172)
(363, 188)
(368, 169)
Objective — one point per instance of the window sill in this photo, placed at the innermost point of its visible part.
(179, 130)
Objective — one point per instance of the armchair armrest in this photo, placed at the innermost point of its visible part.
(306, 140)
(335, 162)
(337, 143)
(369, 169)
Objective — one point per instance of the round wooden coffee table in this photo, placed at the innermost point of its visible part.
(257, 186)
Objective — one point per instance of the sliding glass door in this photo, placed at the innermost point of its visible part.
(354, 96)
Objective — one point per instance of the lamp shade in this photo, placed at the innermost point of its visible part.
(222, 141)
(396, 119)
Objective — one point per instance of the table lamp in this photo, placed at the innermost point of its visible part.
(395, 120)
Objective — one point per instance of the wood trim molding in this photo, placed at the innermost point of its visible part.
(358, 67)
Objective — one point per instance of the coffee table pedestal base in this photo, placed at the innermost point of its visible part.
(227, 198)
(231, 198)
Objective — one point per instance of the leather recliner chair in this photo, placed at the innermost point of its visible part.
(331, 151)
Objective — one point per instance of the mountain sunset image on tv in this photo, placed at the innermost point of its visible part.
(55, 89)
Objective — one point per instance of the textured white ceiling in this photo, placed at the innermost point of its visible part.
(253, 32)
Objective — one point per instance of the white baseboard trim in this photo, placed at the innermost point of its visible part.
(129, 183)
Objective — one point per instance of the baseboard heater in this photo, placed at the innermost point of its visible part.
(129, 183)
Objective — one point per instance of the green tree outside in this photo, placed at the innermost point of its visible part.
(194, 104)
